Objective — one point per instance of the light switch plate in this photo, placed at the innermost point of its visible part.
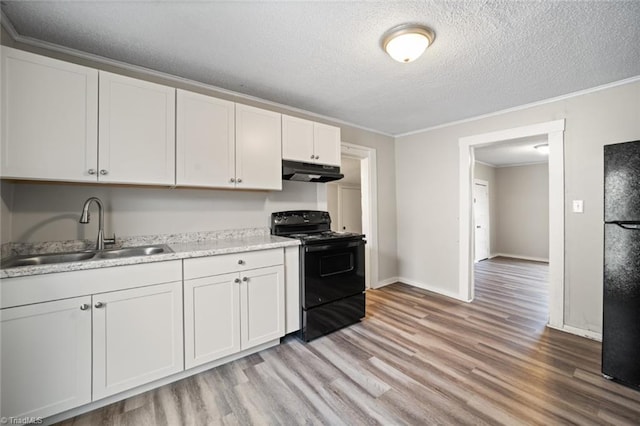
(578, 206)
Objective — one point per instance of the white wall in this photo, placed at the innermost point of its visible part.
(522, 211)
(427, 193)
(6, 194)
(488, 174)
(244, 206)
(45, 212)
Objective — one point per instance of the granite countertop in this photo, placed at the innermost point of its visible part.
(184, 246)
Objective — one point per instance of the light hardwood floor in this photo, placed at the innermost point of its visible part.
(417, 358)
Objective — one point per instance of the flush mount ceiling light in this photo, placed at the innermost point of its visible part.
(405, 43)
(542, 148)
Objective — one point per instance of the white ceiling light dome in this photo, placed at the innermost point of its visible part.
(407, 42)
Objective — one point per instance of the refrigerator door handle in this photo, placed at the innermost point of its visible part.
(632, 226)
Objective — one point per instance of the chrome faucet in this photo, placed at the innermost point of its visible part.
(84, 218)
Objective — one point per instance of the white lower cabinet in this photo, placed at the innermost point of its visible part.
(231, 312)
(212, 318)
(46, 357)
(61, 354)
(137, 337)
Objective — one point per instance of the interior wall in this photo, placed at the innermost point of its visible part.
(488, 174)
(46, 212)
(332, 204)
(523, 211)
(427, 173)
(384, 145)
(6, 195)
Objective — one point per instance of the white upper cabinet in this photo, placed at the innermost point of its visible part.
(258, 148)
(205, 141)
(310, 142)
(326, 144)
(49, 118)
(136, 131)
(225, 145)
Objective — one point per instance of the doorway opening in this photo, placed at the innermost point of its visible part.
(482, 220)
(352, 202)
(554, 132)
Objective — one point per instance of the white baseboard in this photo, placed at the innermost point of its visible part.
(578, 332)
(386, 282)
(517, 256)
(434, 289)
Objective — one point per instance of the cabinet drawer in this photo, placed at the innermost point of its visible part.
(236, 262)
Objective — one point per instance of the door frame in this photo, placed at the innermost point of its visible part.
(484, 183)
(554, 130)
(369, 191)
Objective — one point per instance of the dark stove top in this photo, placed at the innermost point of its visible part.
(309, 226)
(325, 236)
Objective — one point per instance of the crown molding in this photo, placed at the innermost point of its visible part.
(525, 106)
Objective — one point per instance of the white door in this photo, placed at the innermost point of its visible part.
(350, 209)
(258, 148)
(326, 144)
(297, 139)
(136, 131)
(46, 357)
(212, 318)
(262, 306)
(49, 118)
(481, 215)
(137, 337)
(205, 141)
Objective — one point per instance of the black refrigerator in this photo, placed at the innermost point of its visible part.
(621, 297)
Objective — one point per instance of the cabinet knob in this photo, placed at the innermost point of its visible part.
(317, 157)
(91, 171)
(239, 180)
(240, 262)
(237, 280)
(84, 307)
(103, 172)
(232, 180)
(313, 156)
(245, 279)
(99, 305)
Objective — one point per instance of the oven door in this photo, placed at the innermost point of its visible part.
(331, 271)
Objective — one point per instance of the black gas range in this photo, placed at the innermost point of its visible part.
(332, 271)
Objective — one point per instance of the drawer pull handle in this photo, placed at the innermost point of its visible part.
(240, 262)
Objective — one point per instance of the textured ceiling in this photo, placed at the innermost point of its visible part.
(515, 152)
(325, 57)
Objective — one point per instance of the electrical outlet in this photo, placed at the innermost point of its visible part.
(578, 206)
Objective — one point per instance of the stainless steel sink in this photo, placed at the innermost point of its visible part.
(52, 258)
(133, 251)
(44, 259)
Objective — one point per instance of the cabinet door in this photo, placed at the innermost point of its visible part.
(136, 131)
(46, 357)
(262, 306)
(212, 318)
(137, 337)
(258, 148)
(297, 139)
(205, 143)
(327, 144)
(49, 118)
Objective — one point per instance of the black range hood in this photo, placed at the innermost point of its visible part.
(307, 172)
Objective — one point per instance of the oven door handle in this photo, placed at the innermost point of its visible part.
(337, 246)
